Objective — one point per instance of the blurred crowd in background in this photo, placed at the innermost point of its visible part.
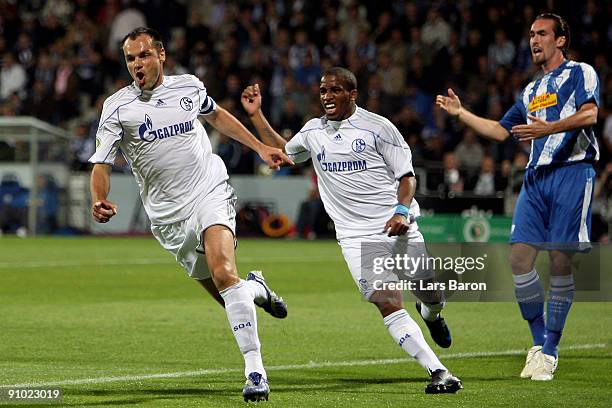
(61, 58)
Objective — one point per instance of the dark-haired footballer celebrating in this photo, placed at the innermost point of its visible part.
(183, 185)
(367, 185)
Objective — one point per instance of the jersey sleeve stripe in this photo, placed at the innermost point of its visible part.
(208, 106)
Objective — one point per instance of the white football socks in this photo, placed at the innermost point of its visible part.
(242, 318)
(408, 335)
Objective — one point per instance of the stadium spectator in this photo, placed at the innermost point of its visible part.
(396, 48)
(488, 181)
(502, 51)
(301, 49)
(65, 90)
(24, 51)
(353, 20)
(37, 103)
(435, 33)
(13, 78)
(45, 71)
(469, 151)
(124, 22)
(453, 178)
(334, 49)
(82, 147)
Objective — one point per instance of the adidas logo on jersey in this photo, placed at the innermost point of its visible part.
(160, 103)
(337, 138)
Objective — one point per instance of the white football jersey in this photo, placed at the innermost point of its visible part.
(359, 162)
(165, 144)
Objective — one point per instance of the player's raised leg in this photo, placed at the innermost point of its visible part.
(408, 335)
(264, 297)
(239, 306)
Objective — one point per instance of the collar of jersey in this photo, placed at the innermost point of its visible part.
(139, 91)
(559, 68)
(337, 123)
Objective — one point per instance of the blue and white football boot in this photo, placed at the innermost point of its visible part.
(256, 388)
(275, 305)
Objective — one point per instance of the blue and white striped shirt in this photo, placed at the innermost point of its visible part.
(555, 96)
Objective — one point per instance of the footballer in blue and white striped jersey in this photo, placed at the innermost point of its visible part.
(557, 113)
(557, 95)
(159, 133)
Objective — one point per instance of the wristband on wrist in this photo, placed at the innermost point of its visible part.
(401, 209)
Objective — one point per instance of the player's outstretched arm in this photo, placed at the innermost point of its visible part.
(585, 116)
(485, 127)
(251, 102)
(102, 209)
(227, 124)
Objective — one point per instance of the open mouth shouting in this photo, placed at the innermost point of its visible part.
(330, 108)
(140, 78)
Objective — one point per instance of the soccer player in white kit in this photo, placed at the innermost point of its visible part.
(184, 186)
(367, 186)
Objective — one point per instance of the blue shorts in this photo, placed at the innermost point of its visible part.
(553, 210)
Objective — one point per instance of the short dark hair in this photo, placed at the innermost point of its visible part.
(561, 29)
(154, 34)
(347, 76)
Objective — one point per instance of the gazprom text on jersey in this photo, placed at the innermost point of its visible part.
(340, 166)
(167, 131)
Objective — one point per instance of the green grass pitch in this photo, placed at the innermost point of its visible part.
(115, 322)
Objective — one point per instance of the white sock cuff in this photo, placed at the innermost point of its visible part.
(526, 279)
(232, 289)
(395, 316)
(562, 283)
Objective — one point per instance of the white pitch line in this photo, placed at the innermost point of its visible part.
(155, 261)
(311, 365)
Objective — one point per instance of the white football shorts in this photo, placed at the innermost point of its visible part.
(184, 238)
(377, 260)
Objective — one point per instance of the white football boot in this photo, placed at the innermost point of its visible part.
(531, 361)
(545, 369)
